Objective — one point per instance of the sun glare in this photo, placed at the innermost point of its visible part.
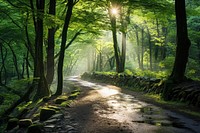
(114, 11)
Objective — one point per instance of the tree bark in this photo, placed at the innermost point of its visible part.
(142, 52)
(51, 45)
(62, 48)
(138, 46)
(123, 56)
(150, 50)
(183, 43)
(3, 68)
(115, 43)
(14, 61)
(42, 88)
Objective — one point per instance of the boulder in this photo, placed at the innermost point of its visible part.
(35, 128)
(59, 101)
(23, 123)
(46, 113)
(12, 123)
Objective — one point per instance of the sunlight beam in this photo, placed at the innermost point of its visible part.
(114, 11)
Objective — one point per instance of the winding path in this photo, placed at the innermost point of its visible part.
(105, 108)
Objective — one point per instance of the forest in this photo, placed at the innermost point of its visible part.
(151, 44)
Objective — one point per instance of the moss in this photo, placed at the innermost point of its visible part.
(66, 103)
(74, 94)
(25, 123)
(54, 107)
(59, 100)
(35, 128)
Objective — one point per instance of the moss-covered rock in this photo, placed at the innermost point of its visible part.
(54, 107)
(12, 123)
(46, 113)
(73, 95)
(23, 123)
(35, 128)
(60, 100)
(66, 103)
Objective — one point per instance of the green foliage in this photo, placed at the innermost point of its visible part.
(167, 63)
(151, 74)
(9, 98)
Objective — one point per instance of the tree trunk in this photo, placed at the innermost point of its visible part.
(27, 64)
(150, 50)
(51, 45)
(142, 52)
(62, 48)
(15, 61)
(138, 46)
(115, 43)
(123, 56)
(163, 50)
(42, 88)
(3, 68)
(183, 43)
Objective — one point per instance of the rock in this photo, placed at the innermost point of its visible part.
(35, 128)
(70, 128)
(46, 99)
(51, 121)
(57, 116)
(46, 113)
(50, 126)
(23, 123)
(59, 101)
(12, 123)
(54, 107)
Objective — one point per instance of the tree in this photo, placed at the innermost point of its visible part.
(183, 43)
(51, 44)
(70, 5)
(42, 88)
(114, 9)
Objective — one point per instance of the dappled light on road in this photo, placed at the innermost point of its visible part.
(111, 103)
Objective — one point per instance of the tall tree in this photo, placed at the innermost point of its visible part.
(70, 5)
(42, 88)
(51, 45)
(183, 43)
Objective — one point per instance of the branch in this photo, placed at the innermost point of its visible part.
(72, 40)
(12, 19)
(21, 3)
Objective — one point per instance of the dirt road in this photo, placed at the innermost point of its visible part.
(104, 108)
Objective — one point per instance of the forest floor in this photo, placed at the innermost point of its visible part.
(102, 108)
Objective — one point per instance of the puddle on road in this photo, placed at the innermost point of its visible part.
(126, 109)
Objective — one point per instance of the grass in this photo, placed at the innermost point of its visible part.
(175, 105)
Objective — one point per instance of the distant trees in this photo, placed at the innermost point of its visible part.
(142, 33)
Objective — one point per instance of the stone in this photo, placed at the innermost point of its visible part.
(70, 128)
(35, 128)
(59, 101)
(51, 121)
(50, 126)
(23, 123)
(57, 116)
(46, 113)
(54, 107)
(12, 123)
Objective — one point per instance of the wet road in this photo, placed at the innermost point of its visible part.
(138, 116)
